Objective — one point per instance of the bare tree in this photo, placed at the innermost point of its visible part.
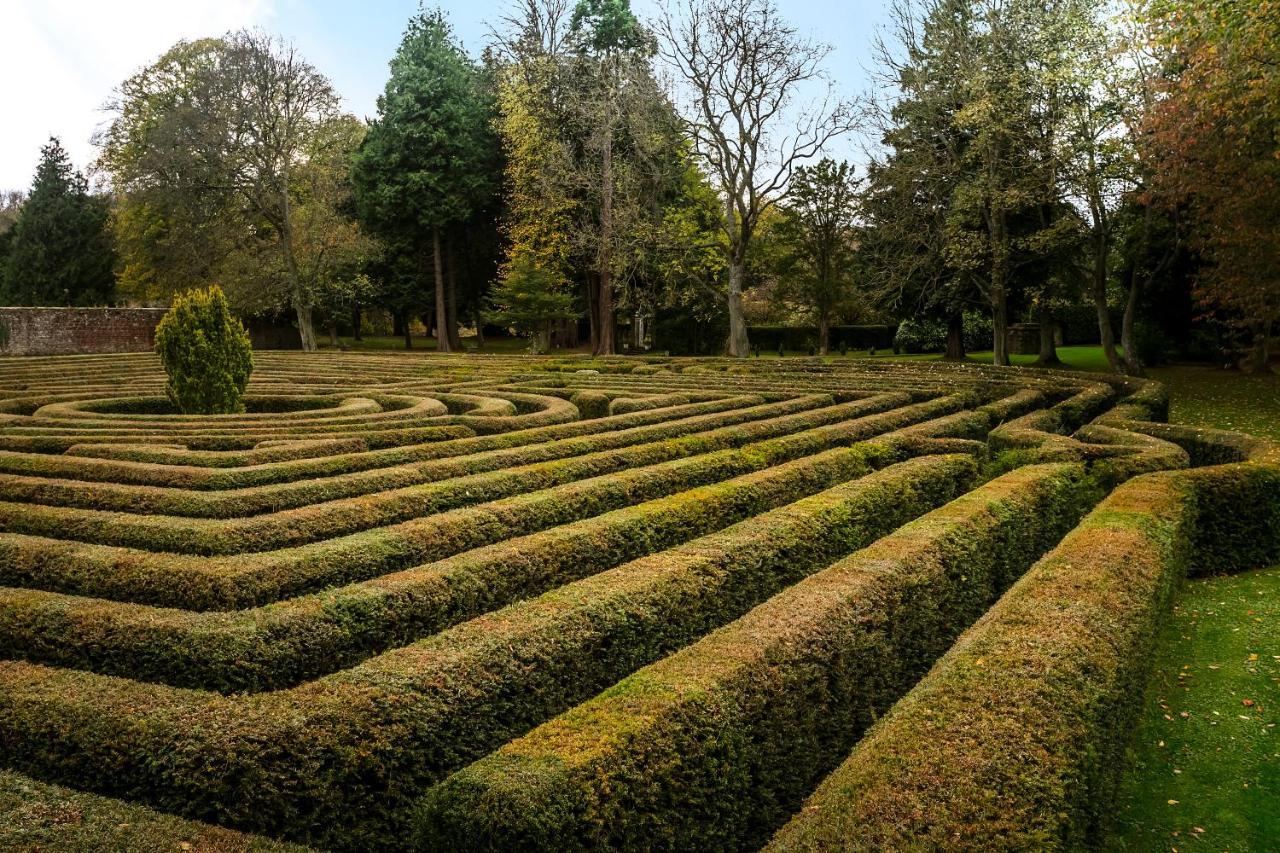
(531, 27)
(744, 68)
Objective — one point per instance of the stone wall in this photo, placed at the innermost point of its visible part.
(68, 331)
(75, 331)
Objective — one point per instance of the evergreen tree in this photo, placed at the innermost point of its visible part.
(818, 226)
(59, 251)
(426, 163)
(529, 300)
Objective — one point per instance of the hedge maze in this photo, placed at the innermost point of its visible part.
(487, 603)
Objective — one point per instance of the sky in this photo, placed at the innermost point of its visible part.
(62, 59)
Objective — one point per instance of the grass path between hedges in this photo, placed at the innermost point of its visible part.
(1205, 761)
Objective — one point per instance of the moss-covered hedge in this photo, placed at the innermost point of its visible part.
(282, 644)
(712, 747)
(197, 582)
(178, 467)
(1015, 740)
(337, 758)
(677, 439)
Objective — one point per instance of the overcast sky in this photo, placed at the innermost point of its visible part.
(61, 59)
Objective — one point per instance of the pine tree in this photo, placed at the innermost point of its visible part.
(60, 252)
(426, 163)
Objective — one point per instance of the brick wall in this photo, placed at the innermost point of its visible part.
(72, 331)
(68, 331)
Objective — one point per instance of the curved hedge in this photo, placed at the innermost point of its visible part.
(628, 603)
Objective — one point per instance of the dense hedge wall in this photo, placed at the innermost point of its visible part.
(191, 469)
(714, 746)
(1015, 740)
(636, 443)
(74, 725)
(283, 644)
(202, 583)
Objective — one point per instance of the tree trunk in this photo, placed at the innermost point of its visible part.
(407, 328)
(1132, 358)
(1098, 290)
(999, 287)
(824, 334)
(1000, 328)
(451, 323)
(333, 333)
(1048, 347)
(606, 343)
(479, 330)
(301, 305)
(442, 308)
(738, 346)
(355, 323)
(593, 312)
(306, 329)
(955, 337)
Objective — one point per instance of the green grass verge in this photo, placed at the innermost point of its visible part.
(1206, 757)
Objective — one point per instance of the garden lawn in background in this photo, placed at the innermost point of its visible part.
(1205, 771)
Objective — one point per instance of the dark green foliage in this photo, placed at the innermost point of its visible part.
(59, 250)
(205, 351)
(925, 334)
(428, 162)
(528, 299)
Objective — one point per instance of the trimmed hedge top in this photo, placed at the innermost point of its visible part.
(475, 602)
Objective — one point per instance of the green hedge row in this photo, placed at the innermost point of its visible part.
(39, 441)
(714, 746)
(1038, 697)
(189, 469)
(211, 584)
(35, 816)
(269, 452)
(262, 501)
(338, 761)
(319, 519)
(626, 405)
(283, 644)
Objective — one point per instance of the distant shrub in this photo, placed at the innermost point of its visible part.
(923, 334)
(928, 334)
(206, 352)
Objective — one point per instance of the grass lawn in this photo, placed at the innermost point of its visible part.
(1205, 763)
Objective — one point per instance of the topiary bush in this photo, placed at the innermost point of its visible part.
(205, 351)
